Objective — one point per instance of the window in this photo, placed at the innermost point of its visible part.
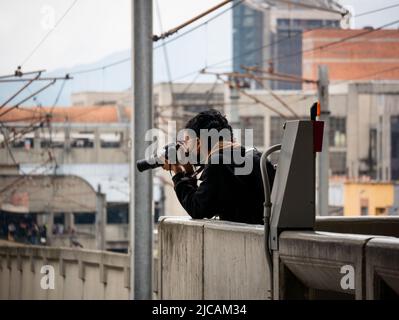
(59, 218)
(380, 211)
(55, 140)
(111, 140)
(26, 143)
(85, 218)
(82, 140)
(394, 147)
(337, 131)
(255, 123)
(2, 138)
(364, 211)
(118, 213)
(338, 162)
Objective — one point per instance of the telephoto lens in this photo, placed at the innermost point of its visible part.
(156, 161)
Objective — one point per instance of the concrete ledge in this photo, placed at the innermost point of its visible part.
(180, 259)
(234, 262)
(211, 259)
(379, 226)
(79, 274)
(382, 268)
(315, 259)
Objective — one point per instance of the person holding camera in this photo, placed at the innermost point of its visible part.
(219, 191)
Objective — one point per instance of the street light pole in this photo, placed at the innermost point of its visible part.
(141, 221)
(323, 163)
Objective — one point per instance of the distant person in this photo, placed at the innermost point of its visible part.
(11, 231)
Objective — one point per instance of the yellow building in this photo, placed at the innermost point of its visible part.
(370, 198)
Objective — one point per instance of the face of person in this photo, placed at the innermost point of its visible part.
(190, 143)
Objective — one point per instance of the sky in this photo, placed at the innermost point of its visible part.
(94, 29)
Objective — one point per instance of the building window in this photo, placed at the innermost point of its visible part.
(337, 131)
(364, 211)
(59, 218)
(85, 218)
(26, 143)
(394, 147)
(338, 162)
(257, 124)
(55, 140)
(118, 213)
(380, 211)
(82, 140)
(111, 140)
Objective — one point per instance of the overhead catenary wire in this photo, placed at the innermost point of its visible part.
(20, 90)
(48, 33)
(27, 98)
(121, 61)
(281, 40)
(310, 6)
(257, 100)
(330, 44)
(190, 21)
(375, 10)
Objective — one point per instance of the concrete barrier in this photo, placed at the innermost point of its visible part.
(382, 268)
(310, 265)
(378, 226)
(78, 274)
(206, 259)
(210, 259)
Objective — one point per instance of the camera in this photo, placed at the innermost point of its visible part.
(169, 152)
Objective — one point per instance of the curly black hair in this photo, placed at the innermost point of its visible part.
(209, 119)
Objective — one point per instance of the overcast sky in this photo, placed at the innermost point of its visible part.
(94, 29)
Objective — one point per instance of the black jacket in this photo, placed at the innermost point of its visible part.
(223, 193)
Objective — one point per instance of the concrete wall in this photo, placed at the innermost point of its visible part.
(210, 259)
(205, 259)
(79, 274)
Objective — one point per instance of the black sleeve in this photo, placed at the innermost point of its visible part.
(199, 201)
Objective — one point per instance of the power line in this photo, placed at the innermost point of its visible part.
(28, 97)
(188, 22)
(102, 67)
(118, 62)
(20, 90)
(121, 61)
(202, 24)
(48, 33)
(330, 44)
(310, 6)
(165, 52)
(375, 10)
(274, 43)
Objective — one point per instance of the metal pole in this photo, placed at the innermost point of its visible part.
(141, 224)
(100, 219)
(323, 162)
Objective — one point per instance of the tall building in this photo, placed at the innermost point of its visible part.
(268, 34)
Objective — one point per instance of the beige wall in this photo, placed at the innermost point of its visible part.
(79, 274)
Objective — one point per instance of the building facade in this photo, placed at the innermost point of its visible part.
(268, 34)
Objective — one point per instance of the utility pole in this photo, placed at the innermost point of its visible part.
(141, 221)
(323, 162)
